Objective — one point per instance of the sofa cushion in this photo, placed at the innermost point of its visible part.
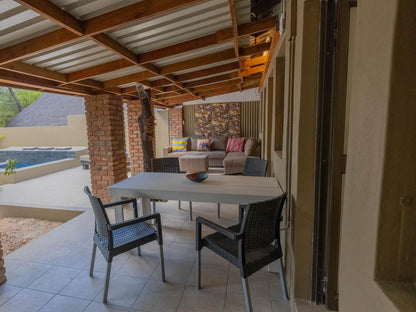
(235, 144)
(250, 148)
(218, 143)
(234, 163)
(194, 143)
(180, 145)
(203, 145)
(216, 154)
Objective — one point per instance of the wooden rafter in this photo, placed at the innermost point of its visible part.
(273, 45)
(192, 85)
(235, 32)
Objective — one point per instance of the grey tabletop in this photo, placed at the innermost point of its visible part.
(216, 189)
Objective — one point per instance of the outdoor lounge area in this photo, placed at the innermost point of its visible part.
(51, 273)
(321, 94)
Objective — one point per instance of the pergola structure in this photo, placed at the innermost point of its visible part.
(182, 49)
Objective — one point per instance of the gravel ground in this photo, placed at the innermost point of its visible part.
(16, 232)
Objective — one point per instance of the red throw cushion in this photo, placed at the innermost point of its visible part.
(235, 144)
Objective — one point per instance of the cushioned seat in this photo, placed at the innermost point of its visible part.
(234, 163)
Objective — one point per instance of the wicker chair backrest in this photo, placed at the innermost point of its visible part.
(101, 218)
(261, 224)
(168, 164)
(255, 167)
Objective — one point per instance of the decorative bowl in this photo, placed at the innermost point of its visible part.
(197, 176)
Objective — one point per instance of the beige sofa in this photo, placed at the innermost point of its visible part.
(233, 162)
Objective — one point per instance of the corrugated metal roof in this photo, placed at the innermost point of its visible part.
(19, 24)
(178, 25)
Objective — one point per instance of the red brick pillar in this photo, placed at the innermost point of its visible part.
(134, 110)
(175, 116)
(3, 278)
(106, 142)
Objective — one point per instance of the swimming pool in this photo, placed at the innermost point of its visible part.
(19, 165)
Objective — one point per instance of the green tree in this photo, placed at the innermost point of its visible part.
(8, 105)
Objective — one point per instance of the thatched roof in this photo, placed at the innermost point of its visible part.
(49, 110)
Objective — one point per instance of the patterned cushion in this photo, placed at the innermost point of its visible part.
(250, 147)
(203, 145)
(218, 143)
(179, 145)
(236, 144)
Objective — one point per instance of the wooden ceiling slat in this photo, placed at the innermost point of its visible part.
(36, 45)
(127, 79)
(218, 85)
(209, 80)
(252, 70)
(255, 61)
(32, 70)
(273, 45)
(133, 13)
(98, 70)
(209, 71)
(54, 13)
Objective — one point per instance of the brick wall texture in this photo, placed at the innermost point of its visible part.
(175, 123)
(106, 142)
(3, 278)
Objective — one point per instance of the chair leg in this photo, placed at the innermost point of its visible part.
(162, 262)
(94, 249)
(218, 210)
(154, 206)
(139, 252)
(198, 269)
(190, 211)
(179, 204)
(247, 298)
(107, 282)
(283, 280)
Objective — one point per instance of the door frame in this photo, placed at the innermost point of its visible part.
(330, 158)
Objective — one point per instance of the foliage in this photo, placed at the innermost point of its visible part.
(8, 107)
(10, 167)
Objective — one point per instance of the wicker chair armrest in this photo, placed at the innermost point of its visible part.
(167, 150)
(220, 229)
(121, 202)
(119, 225)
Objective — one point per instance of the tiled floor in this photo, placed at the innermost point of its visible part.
(51, 273)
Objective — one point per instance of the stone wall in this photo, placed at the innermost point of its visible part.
(217, 119)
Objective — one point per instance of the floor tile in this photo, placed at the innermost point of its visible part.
(7, 292)
(180, 252)
(141, 267)
(236, 303)
(123, 290)
(157, 296)
(258, 283)
(101, 307)
(213, 277)
(281, 306)
(78, 259)
(26, 301)
(54, 280)
(202, 300)
(85, 287)
(26, 274)
(175, 272)
(65, 304)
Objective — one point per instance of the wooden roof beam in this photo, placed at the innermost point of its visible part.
(54, 13)
(235, 32)
(270, 54)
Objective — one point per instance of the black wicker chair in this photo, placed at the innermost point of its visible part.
(250, 245)
(117, 238)
(254, 167)
(167, 164)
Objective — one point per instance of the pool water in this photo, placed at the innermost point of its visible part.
(19, 165)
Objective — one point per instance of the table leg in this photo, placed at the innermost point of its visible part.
(145, 206)
(119, 213)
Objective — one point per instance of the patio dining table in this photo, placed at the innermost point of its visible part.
(225, 189)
